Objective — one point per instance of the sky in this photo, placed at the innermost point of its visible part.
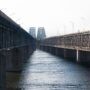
(58, 17)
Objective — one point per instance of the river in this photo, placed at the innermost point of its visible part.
(44, 71)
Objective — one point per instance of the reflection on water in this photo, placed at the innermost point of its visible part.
(47, 72)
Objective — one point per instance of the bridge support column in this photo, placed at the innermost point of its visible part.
(60, 52)
(2, 72)
(84, 57)
(64, 53)
(49, 49)
(70, 54)
(9, 60)
(56, 51)
(43, 48)
(53, 50)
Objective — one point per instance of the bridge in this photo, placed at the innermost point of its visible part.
(16, 45)
(74, 46)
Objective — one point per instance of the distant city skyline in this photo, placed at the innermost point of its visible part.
(57, 16)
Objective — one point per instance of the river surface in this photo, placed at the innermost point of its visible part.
(44, 71)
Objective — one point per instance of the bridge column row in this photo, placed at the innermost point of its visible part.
(75, 55)
(83, 56)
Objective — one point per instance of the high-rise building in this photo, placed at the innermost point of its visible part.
(41, 33)
(32, 32)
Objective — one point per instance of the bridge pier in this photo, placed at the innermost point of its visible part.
(53, 50)
(2, 72)
(56, 51)
(70, 54)
(46, 48)
(50, 49)
(17, 57)
(14, 60)
(84, 57)
(60, 52)
(9, 60)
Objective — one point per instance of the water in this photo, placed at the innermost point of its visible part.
(47, 72)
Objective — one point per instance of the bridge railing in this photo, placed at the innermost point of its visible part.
(77, 40)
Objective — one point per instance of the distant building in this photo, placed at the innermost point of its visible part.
(41, 33)
(32, 32)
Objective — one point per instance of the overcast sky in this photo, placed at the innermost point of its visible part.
(57, 16)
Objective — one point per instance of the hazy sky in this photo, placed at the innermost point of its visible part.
(57, 16)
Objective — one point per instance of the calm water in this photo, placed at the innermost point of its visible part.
(47, 72)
